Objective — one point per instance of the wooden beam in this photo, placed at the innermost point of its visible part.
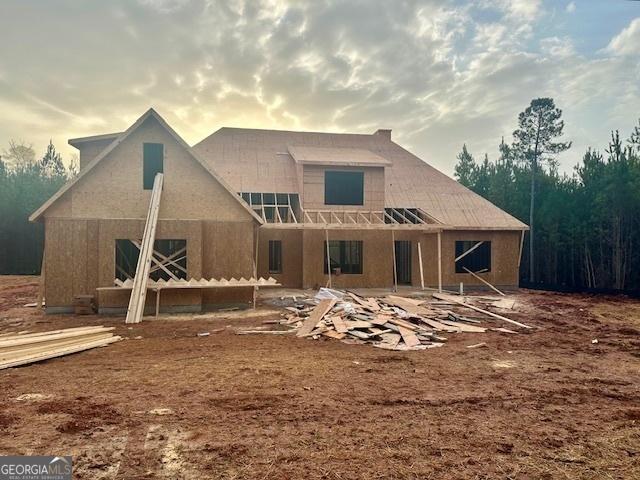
(420, 264)
(395, 268)
(454, 299)
(483, 281)
(139, 290)
(366, 220)
(520, 253)
(421, 221)
(41, 286)
(439, 262)
(333, 215)
(393, 220)
(326, 233)
(464, 254)
(293, 215)
(256, 231)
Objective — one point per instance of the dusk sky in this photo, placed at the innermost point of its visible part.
(439, 73)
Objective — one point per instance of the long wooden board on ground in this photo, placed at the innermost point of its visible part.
(483, 281)
(139, 290)
(316, 315)
(452, 299)
(57, 352)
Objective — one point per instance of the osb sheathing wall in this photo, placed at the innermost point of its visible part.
(291, 275)
(110, 203)
(90, 150)
(313, 188)
(378, 258)
(113, 189)
(228, 251)
(80, 256)
(505, 251)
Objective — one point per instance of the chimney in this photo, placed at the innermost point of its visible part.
(386, 133)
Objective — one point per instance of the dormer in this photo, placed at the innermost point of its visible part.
(335, 178)
(90, 147)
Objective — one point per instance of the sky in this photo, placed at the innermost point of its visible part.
(438, 73)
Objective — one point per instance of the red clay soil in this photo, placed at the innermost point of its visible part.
(541, 405)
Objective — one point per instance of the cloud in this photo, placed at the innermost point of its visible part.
(627, 42)
(571, 7)
(439, 73)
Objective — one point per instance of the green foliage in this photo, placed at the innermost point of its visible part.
(25, 184)
(588, 223)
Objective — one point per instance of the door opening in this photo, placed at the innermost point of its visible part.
(403, 261)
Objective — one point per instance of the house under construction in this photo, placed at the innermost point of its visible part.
(299, 209)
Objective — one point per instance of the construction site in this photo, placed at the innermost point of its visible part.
(205, 396)
(270, 304)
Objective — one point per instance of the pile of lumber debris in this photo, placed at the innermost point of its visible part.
(23, 348)
(392, 322)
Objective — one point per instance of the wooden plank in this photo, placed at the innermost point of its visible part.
(316, 315)
(452, 299)
(421, 267)
(439, 262)
(484, 281)
(326, 233)
(409, 337)
(350, 324)
(464, 254)
(339, 324)
(464, 327)
(395, 267)
(31, 349)
(8, 336)
(28, 340)
(58, 352)
(139, 290)
(334, 334)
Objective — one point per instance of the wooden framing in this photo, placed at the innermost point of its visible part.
(139, 290)
(464, 254)
(439, 262)
(420, 266)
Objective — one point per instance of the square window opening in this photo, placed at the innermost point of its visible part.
(478, 259)
(169, 259)
(343, 188)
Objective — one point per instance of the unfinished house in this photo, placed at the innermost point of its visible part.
(304, 209)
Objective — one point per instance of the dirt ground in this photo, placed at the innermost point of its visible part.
(165, 403)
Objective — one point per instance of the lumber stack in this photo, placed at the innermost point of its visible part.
(391, 322)
(21, 349)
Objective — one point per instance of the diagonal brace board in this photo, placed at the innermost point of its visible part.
(139, 290)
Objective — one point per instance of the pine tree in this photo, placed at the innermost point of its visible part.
(539, 125)
(465, 169)
(51, 164)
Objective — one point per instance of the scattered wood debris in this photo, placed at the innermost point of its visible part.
(392, 322)
(21, 349)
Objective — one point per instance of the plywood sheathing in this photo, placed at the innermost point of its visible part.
(291, 275)
(258, 161)
(313, 188)
(111, 186)
(345, 157)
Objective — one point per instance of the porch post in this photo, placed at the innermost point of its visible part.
(326, 233)
(395, 268)
(439, 261)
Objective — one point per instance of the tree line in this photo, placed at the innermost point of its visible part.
(26, 182)
(585, 226)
